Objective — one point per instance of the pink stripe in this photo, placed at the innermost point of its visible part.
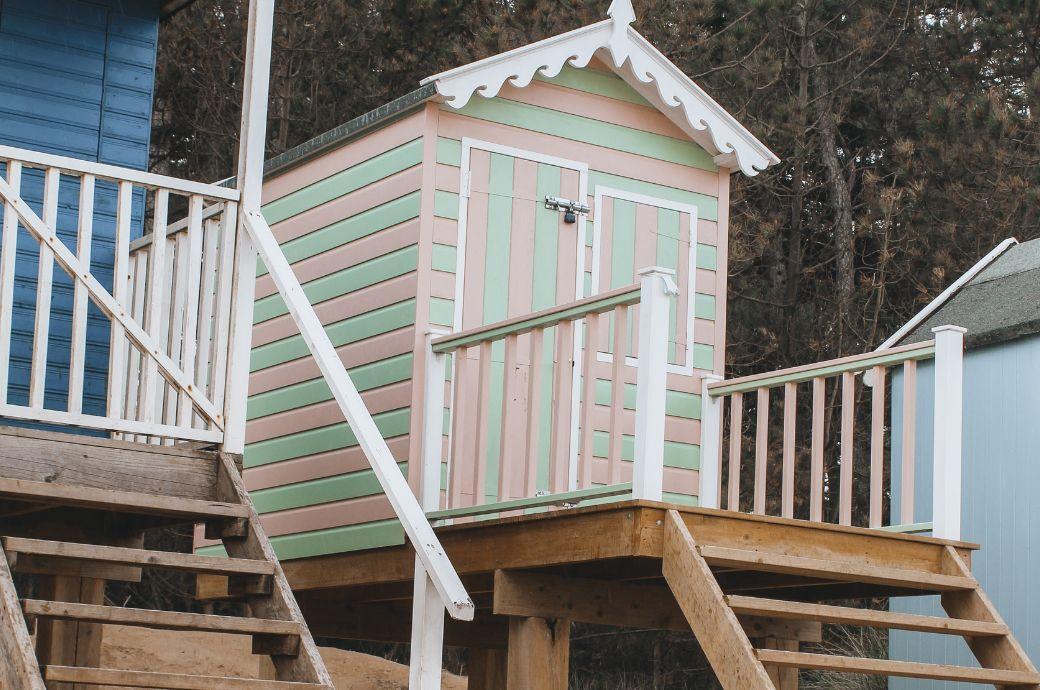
(704, 332)
(350, 204)
(347, 255)
(389, 344)
(605, 160)
(447, 178)
(476, 241)
(442, 285)
(321, 414)
(707, 232)
(521, 238)
(318, 466)
(705, 282)
(346, 155)
(676, 480)
(327, 515)
(445, 231)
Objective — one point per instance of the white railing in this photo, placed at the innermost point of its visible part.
(166, 306)
(834, 386)
(547, 418)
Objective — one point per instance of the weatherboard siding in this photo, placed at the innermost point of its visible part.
(348, 221)
(76, 80)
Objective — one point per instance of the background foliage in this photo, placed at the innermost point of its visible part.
(908, 132)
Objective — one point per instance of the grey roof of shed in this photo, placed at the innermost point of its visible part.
(1001, 303)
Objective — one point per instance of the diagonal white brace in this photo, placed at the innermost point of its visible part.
(107, 303)
(427, 546)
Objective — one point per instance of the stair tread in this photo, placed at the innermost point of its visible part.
(165, 620)
(843, 615)
(839, 571)
(887, 667)
(167, 681)
(119, 501)
(210, 565)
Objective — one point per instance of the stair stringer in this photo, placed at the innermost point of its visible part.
(18, 665)
(308, 665)
(725, 644)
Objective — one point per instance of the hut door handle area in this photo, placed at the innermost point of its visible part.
(570, 208)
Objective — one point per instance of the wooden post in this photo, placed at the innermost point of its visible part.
(946, 469)
(486, 669)
(424, 666)
(539, 654)
(657, 287)
(250, 181)
(711, 438)
(70, 643)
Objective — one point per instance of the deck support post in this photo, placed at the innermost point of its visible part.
(70, 643)
(486, 669)
(711, 439)
(657, 288)
(250, 180)
(538, 657)
(949, 391)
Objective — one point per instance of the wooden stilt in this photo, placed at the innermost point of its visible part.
(784, 678)
(539, 654)
(486, 669)
(70, 643)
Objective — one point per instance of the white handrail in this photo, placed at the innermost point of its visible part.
(427, 546)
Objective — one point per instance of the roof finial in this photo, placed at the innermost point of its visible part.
(621, 11)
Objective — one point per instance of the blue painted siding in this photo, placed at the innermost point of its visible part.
(1001, 476)
(76, 79)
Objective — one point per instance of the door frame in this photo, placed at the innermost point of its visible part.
(691, 272)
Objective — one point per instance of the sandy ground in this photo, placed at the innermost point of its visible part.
(228, 655)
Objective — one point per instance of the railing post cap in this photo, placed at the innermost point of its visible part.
(656, 270)
(713, 377)
(949, 328)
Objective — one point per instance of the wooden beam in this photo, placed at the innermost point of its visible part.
(171, 681)
(619, 604)
(18, 665)
(716, 627)
(539, 654)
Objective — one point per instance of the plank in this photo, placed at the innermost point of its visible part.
(844, 615)
(18, 666)
(716, 627)
(838, 571)
(167, 681)
(905, 669)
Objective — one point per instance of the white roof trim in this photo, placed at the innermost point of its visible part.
(636, 61)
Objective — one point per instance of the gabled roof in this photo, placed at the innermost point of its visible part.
(997, 300)
(636, 61)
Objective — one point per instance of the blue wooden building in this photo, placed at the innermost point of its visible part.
(1000, 307)
(76, 79)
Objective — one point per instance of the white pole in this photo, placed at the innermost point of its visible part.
(711, 430)
(424, 667)
(250, 185)
(657, 287)
(946, 471)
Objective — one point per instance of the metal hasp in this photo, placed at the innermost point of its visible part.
(569, 208)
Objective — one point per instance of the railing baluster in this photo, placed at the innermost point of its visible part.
(906, 502)
(190, 344)
(588, 400)
(460, 409)
(736, 421)
(120, 284)
(155, 297)
(84, 239)
(761, 450)
(8, 256)
(617, 395)
(480, 458)
(510, 447)
(134, 363)
(44, 289)
(790, 419)
(207, 305)
(222, 307)
(534, 412)
(877, 446)
(166, 311)
(819, 402)
(848, 421)
(179, 298)
(563, 369)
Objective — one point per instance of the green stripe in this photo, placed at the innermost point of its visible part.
(369, 535)
(589, 131)
(446, 205)
(353, 178)
(442, 312)
(707, 257)
(377, 270)
(704, 306)
(365, 377)
(707, 206)
(676, 403)
(317, 491)
(322, 439)
(449, 151)
(680, 455)
(623, 244)
(368, 222)
(681, 499)
(344, 332)
(445, 258)
(703, 357)
(593, 81)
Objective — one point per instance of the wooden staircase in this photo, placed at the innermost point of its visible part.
(73, 511)
(692, 571)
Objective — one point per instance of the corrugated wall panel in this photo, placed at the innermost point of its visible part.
(1001, 471)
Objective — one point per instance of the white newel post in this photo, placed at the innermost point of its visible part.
(250, 182)
(711, 432)
(424, 667)
(946, 471)
(657, 288)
